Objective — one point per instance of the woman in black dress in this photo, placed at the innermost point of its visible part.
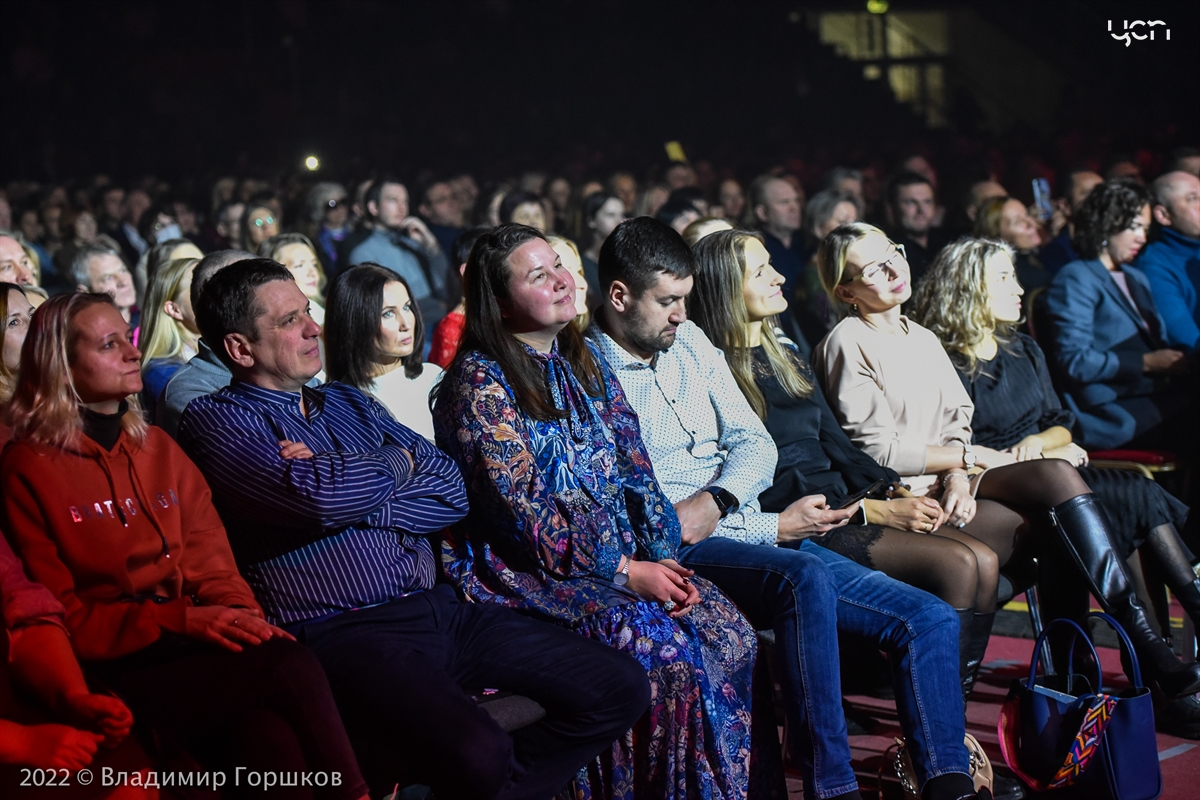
(973, 307)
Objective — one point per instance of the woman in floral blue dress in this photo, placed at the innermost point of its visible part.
(568, 522)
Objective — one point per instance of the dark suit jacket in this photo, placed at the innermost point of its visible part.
(1097, 343)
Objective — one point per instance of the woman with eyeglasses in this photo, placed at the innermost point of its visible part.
(1124, 385)
(110, 516)
(899, 398)
(258, 225)
(296, 252)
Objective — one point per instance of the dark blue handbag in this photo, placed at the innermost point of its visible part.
(1060, 735)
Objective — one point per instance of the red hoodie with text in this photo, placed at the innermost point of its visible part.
(126, 540)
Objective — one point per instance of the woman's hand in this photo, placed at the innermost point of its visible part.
(986, 457)
(1029, 448)
(101, 713)
(661, 581)
(1070, 452)
(914, 514)
(230, 627)
(958, 504)
(810, 516)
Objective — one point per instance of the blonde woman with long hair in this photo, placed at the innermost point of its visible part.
(110, 515)
(972, 301)
(899, 398)
(169, 333)
(573, 262)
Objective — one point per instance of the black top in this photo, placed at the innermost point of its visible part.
(103, 429)
(1013, 395)
(815, 455)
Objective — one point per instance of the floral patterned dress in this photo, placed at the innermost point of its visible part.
(554, 506)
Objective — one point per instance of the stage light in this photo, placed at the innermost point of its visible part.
(312, 163)
(877, 6)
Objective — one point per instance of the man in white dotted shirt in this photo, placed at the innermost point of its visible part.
(713, 456)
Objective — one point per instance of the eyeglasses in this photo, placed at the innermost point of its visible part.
(332, 204)
(260, 221)
(873, 274)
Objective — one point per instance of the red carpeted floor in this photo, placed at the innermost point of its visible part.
(1007, 658)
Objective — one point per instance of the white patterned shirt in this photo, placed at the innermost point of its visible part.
(698, 428)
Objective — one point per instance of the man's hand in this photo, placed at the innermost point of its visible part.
(289, 450)
(230, 627)
(698, 517)
(416, 229)
(809, 516)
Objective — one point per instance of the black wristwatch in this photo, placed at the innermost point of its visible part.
(726, 502)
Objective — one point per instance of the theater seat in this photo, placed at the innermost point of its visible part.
(1145, 462)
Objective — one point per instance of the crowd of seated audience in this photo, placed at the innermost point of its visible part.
(297, 482)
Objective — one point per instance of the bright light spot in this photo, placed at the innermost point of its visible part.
(312, 163)
(877, 6)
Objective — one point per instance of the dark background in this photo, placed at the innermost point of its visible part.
(494, 86)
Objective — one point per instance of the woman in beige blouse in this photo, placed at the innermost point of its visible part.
(898, 397)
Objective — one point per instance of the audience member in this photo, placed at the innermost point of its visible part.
(678, 212)
(568, 253)
(625, 187)
(329, 212)
(296, 252)
(582, 533)
(973, 305)
(1076, 185)
(813, 312)
(169, 332)
(523, 208)
(205, 372)
(911, 205)
(979, 193)
(374, 341)
(404, 244)
(1007, 219)
(602, 213)
(448, 332)
(259, 222)
(15, 266)
(137, 555)
(897, 395)
(15, 313)
(773, 206)
(703, 227)
(99, 268)
(713, 458)
(83, 230)
(1118, 376)
(1183, 159)
(157, 257)
(731, 201)
(442, 213)
(1171, 263)
(330, 504)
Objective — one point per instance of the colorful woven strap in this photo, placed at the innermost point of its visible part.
(1086, 741)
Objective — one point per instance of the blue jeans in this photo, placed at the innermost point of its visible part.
(793, 591)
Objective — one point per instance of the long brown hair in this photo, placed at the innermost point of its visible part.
(486, 286)
(718, 306)
(7, 379)
(45, 404)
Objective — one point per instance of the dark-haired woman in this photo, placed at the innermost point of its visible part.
(110, 516)
(1119, 378)
(374, 337)
(568, 522)
(601, 214)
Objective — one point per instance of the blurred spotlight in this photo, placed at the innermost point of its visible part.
(312, 163)
(877, 6)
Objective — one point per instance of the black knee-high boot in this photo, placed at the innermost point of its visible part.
(1082, 530)
(1170, 564)
(974, 631)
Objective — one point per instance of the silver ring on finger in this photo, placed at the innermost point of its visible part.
(235, 621)
(669, 605)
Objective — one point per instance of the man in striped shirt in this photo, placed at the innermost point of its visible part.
(329, 504)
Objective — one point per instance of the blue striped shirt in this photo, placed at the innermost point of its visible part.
(344, 529)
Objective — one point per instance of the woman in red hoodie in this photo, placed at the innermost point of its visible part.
(113, 518)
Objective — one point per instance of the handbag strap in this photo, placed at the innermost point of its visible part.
(1082, 749)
